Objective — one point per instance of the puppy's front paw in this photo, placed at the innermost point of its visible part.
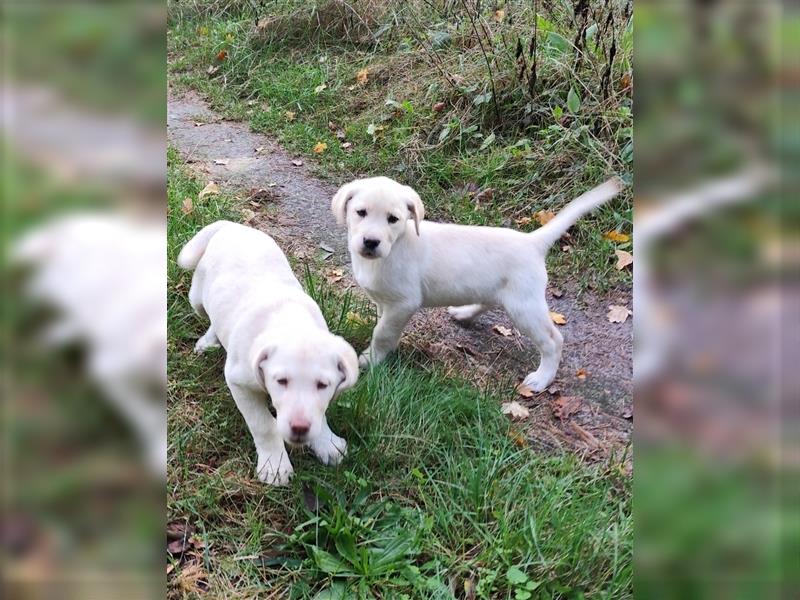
(202, 345)
(274, 468)
(329, 449)
(365, 359)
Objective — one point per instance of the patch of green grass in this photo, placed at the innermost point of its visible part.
(434, 500)
(406, 121)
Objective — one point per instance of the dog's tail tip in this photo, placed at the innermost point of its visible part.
(194, 249)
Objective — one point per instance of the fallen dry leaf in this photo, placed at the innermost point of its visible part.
(557, 318)
(290, 115)
(198, 123)
(221, 161)
(249, 215)
(212, 70)
(260, 150)
(260, 194)
(346, 145)
(524, 391)
(566, 406)
(499, 14)
(618, 314)
(210, 190)
(340, 134)
(187, 207)
(566, 248)
(523, 221)
(544, 216)
(334, 275)
(616, 236)
(320, 147)
(556, 292)
(623, 259)
(332, 126)
(362, 76)
(518, 438)
(486, 194)
(581, 373)
(222, 55)
(504, 331)
(321, 87)
(297, 162)
(515, 410)
(193, 579)
(438, 107)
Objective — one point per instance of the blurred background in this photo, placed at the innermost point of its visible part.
(84, 355)
(715, 310)
(716, 300)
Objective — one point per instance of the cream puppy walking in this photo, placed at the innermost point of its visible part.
(277, 343)
(405, 263)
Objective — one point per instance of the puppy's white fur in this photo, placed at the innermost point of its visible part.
(405, 265)
(276, 340)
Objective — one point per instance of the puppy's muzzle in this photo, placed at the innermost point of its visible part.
(369, 249)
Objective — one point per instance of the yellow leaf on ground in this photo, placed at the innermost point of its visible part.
(623, 259)
(557, 318)
(523, 221)
(618, 314)
(289, 115)
(320, 147)
(524, 391)
(320, 88)
(581, 373)
(544, 216)
(499, 14)
(362, 76)
(504, 331)
(616, 236)
(188, 206)
(515, 410)
(210, 190)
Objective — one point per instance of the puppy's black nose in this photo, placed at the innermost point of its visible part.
(300, 430)
(371, 244)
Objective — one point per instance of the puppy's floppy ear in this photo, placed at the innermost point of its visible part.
(415, 206)
(347, 364)
(258, 364)
(341, 198)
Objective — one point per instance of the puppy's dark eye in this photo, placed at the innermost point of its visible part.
(393, 219)
(321, 386)
(361, 213)
(283, 381)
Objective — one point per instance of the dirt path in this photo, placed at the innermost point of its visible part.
(600, 403)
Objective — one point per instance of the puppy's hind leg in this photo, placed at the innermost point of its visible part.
(195, 295)
(467, 313)
(209, 340)
(532, 318)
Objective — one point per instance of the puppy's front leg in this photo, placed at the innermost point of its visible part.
(273, 461)
(329, 447)
(386, 334)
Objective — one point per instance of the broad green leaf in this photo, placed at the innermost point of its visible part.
(573, 101)
(328, 563)
(337, 591)
(488, 141)
(557, 42)
(515, 576)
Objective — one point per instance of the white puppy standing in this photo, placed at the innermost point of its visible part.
(276, 340)
(404, 265)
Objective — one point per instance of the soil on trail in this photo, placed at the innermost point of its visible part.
(587, 410)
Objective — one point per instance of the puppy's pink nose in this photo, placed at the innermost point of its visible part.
(299, 427)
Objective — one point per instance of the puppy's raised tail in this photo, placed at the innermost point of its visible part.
(193, 251)
(549, 233)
